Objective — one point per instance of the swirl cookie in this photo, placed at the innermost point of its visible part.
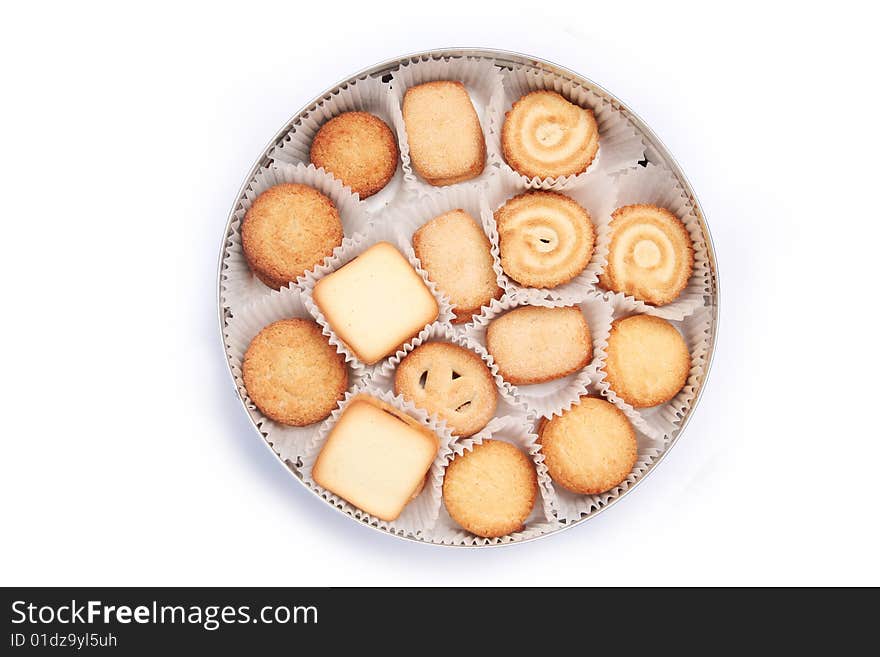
(590, 448)
(292, 373)
(545, 238)
(648, 360)
(446, 142)
(546, 136)
(651, 255)
(490, 490)
(359, 149)
(289, 229)
(532, 344)
(451, 382)
(456, 253)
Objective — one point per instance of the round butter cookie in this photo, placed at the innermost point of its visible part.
(546, 136)
(650, 257)
(545, 238)
(293, 374)
(451, 382)
(490, 490)
(359, 149)
(590, 448)
(648, 361)
(289, 229)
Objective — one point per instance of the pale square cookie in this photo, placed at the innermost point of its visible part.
(376, 302)
(376, 457)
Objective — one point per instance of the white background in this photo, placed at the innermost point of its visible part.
(125, 135)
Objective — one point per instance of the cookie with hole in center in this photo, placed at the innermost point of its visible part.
(648, 361)
(293, 374)
(490, 490)
(590, 448)
(451, 382)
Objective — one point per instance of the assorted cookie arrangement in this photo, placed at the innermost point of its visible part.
(427, 368)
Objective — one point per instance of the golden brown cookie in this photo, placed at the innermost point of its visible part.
(590, 448)
(450, 381)
(456, 253)
(546, 136)
(359, 149)
(446, 142)
(651, 255)
(289, 229)
(293, 374)
(491, 490)
(531, 344)
(545, 238)
(648, 360)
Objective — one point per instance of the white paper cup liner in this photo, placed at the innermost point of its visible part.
(238, 284)
(350, 250)
(571, 507)
(481, 79)
(517, 430)
(597, 195)
(364, 94)
(553, 397)
(410, 215)
(420, 514)
(383, 376)
(659, 422)
(287, 441)
(620, 146)
(656, 185)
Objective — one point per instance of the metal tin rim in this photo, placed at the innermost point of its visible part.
(508, 57)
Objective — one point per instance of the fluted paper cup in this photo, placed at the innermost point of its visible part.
(421, 513)
(620, 146)
(287, 303)
(364, 94)
(238, 284)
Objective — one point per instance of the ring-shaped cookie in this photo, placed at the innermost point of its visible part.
(546, 136)
(651, 256)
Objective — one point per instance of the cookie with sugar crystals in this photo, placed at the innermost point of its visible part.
(359, 149)
(590, 448)
(293, 374)
(457, 256)
(451, 382)
(546, 136)
(533, 344)
(648, 361)
(446, 143)
(289, 229)
(490, 490)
